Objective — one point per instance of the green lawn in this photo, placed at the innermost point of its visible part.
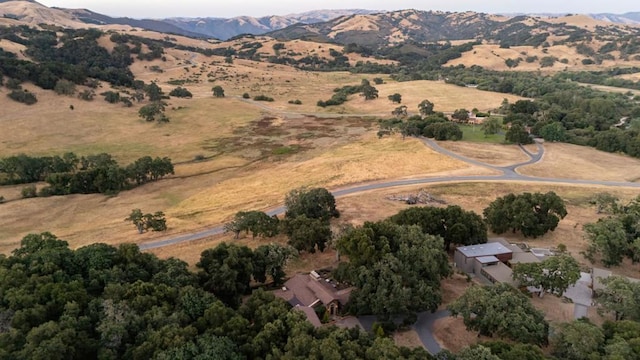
(474, 133)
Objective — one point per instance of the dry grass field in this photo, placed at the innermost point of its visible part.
(254, 152)
(493, 154)
(475, 196)
(250, 148)
(51, 127)
(613, 88)
(581, 162)
(491, 56)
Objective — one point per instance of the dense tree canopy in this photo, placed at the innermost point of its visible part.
(425, 108)
(503, 311)
(316, 203)
(70, 174)
(581, 339)
(554, 274)
(532, 214)
(396, 269)
(621, 297)
(257, 223)
(103, 302)
(443, 131)
(307, 234)
(517, 134)
(453, 224)
(617, 236)
(577, 340)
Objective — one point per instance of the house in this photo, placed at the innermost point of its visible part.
(306, 291)
(492, 261)
(464, 257)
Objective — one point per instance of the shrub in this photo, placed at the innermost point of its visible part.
(29, 192)
(93, 83)
(443, 131)
(65, 87)
(548, 61)
(86, 95)
(246, 96)
(13, 84)
(2, 199)
(262, 98)
(23, 96)
(295, 102)
(181, 92)
(111, 96)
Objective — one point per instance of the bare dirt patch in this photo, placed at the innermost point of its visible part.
(452, 334)
(581, 162)
(407, 338)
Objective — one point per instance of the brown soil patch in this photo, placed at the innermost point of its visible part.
(493, 154)
(452, 334)
(408, 338)
(453, 287)
(581, 162)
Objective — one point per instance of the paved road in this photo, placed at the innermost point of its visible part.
(424, 328)
(508, 173)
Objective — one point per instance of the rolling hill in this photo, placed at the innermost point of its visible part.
(384, 29)
(224, 29)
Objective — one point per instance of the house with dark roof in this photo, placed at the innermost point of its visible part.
(306, 291)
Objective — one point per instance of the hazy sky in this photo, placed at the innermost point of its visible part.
(231, 8)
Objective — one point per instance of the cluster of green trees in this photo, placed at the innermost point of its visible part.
(531, 214)
(23, 96)
(606, 77)
(70, 174)
(453, 224)
(257, 223)
(341, 94)
(554, 274)
(144, 222)
(75, 56)
(617, 235)
(581, 339)
(396, 270)
(306, 221)
(397, 264)
(501, 310)
(429, 124)
(504, 311)
(107, 302)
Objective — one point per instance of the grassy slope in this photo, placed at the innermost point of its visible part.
(238, 138)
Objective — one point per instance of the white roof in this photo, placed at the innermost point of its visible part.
(487, 259)
(488, 249)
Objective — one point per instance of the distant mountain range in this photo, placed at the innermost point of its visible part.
(223, 29)
(418, 25)
(630, 18)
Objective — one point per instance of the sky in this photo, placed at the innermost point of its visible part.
(232, 8)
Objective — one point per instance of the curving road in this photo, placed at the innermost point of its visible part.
(425, 322)
(508, 173)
